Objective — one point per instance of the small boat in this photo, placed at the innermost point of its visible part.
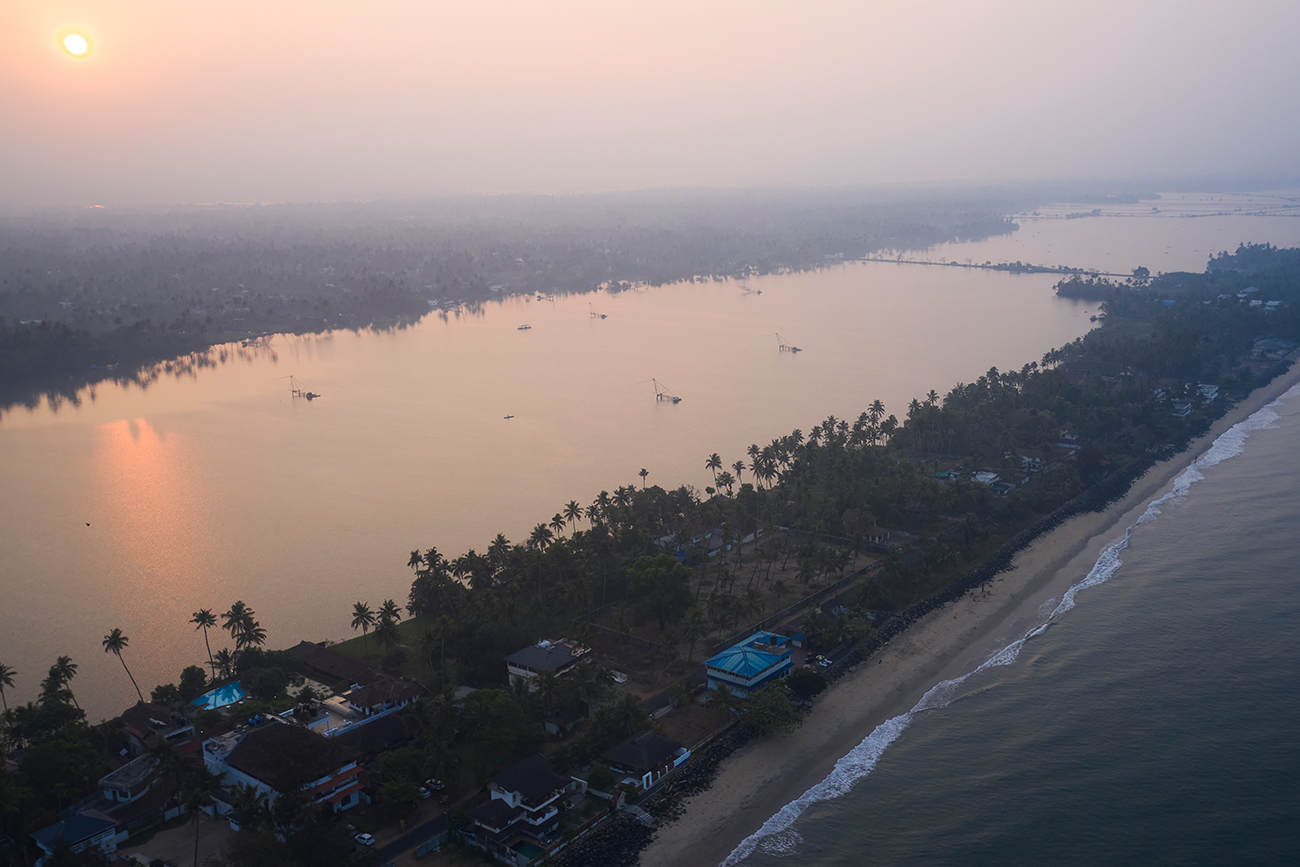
(510, 416)
(524, 327)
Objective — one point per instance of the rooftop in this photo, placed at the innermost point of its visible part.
(74, 829)
(548, 655)
(287, 757)
(644, 752)
(755, 654)
(533, 778)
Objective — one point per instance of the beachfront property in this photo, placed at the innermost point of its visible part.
(557, 657)
(750, 664)
(145, 724)
(280, 758)
(82, 832)
(522, 816)
(644, 759)
(135, 793)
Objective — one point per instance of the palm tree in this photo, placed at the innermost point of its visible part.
(235, 619)
(694, 627)
(362, 618)
(725, 480)
(391, 610)
(416, 560)
(197, 788)
(713, 463)
(644, 472)
(204, 619)
(386, 631)
(573, 512)
(115, 642)
(6, 679)
(250, 633)
(557, 524)
(540, 537)
(64, 670)
(223, 663)
(739, 467)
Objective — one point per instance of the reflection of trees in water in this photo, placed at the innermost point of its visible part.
(72, 391)
(88, 298)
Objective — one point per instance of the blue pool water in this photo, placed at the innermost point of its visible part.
(228, 694)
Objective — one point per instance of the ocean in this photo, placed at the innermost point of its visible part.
(1150, 719)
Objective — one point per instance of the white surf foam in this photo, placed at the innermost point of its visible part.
(778, 837)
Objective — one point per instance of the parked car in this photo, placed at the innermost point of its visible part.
(425, 794)
(365, 839)
(434, 785)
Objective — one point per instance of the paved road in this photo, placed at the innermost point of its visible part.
(412, 838)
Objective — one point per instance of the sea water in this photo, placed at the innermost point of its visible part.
(1150, 719)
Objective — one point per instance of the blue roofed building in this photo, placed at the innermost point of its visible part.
(753, 663)
(87, 830)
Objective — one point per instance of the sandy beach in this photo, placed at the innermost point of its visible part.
(759, 779)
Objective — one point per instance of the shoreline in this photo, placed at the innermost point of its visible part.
(762, 777)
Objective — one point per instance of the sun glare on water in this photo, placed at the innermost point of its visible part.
(76, 45)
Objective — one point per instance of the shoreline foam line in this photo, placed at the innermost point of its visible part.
(777, 835)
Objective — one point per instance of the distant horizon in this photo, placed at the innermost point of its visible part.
(1048, 189)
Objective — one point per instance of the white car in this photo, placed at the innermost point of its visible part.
(425, 793)
(365, 839)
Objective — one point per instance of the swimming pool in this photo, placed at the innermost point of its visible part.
(228, 694)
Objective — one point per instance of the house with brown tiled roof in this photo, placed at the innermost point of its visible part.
(145, 723)
(279, 758)
(334, 666)
(382, 695)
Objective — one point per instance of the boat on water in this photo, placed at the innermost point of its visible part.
(296, 389)
(661, 393)
(785, 347)
(524, 327)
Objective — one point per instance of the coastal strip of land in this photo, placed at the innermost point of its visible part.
(759, 779)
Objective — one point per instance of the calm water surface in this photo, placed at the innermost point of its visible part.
(202, 490)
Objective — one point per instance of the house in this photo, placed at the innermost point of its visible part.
(382, 696)
(750, 664)
(279, 758)
(145, 723)
(1032, 460)
(131, 781)
(520, 820)
(644, 759)
(82, 831)
(557, 657)
(334, 666)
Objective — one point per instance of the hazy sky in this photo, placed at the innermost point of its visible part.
(326, 99)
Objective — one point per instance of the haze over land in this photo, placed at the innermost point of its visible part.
(322, 100)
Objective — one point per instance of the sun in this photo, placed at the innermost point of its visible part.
(76, 44)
